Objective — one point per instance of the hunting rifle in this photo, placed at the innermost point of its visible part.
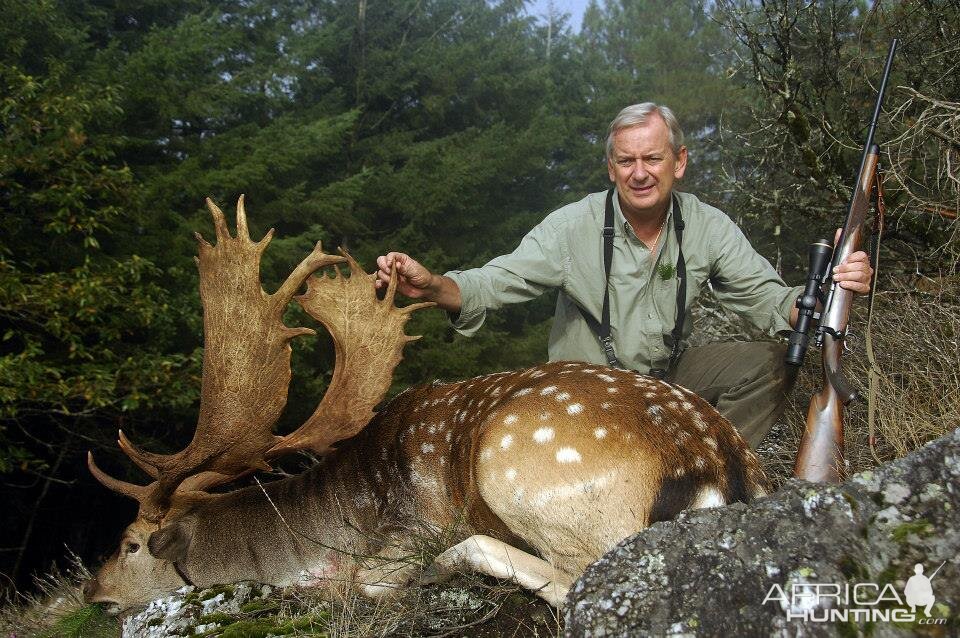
(820, 457)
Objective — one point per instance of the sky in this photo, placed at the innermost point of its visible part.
(574, 7)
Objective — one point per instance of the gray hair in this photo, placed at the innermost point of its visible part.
(637, 114)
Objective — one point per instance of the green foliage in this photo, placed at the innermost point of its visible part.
(82, 318)
(809, 73)
(89, 621)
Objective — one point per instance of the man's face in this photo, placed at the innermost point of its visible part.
(644, 167)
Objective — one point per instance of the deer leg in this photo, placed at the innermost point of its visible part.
(387, 574)
(495, 558)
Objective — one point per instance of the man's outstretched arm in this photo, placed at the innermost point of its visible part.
(416, 282)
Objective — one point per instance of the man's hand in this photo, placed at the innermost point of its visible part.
(855, 272)
(416, 282)
(413, 280)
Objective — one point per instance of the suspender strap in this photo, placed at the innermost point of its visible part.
(602, 328)
(677, 333)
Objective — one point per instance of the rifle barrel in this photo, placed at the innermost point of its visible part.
(883, 89)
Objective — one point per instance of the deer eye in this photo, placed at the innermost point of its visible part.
(133, 548)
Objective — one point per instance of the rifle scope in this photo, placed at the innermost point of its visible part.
(819, 256)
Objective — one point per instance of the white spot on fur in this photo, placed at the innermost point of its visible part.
(550, 389)
(510, 419)
(426, 448)
(612, 390)
(699, 422)
(600, 432)
(511, 474)
(545, 416)
(486, 454)
(709, 496)
(563, 396)
(574, 408)
(712, 442)
(605, 405)
(542, 435)
(536, 374)
(522, 393)
(449, 435)
(568, 455)
(606, 377)
(700, 463)
(506, 441)
(687, 405)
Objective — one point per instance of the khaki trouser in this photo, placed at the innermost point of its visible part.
(747, 382)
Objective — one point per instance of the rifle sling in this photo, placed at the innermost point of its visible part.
(602, 328)
(874, 372)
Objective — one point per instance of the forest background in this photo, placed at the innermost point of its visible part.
(442, 128)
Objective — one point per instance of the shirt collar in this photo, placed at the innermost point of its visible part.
(623, 227)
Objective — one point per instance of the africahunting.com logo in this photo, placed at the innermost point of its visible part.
(860, 602)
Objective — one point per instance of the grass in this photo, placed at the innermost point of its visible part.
(56, 609)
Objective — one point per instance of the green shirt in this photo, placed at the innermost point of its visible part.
(565, 251)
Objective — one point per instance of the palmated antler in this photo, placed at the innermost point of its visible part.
(368, 337)
(246, 367)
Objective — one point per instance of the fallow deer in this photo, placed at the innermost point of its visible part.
(538, 471)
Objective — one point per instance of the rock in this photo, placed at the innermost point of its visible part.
(188, 612)
(708, 572)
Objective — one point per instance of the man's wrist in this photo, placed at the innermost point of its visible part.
(445, 292)
(434, 287)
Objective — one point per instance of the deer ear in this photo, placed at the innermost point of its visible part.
(170, 543)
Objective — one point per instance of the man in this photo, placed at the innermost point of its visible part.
(746, 382)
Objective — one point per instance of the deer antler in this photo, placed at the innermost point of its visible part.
(246, 366)
(368, 337)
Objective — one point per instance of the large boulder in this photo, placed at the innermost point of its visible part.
(708, 572)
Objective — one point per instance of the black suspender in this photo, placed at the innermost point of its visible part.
(602, 328)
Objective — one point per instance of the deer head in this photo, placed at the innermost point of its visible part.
(246, 374)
